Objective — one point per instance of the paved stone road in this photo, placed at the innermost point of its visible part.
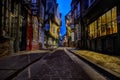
(12, 64)
(55, 66)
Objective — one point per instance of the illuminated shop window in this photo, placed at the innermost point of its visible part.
(114, 21)
(95, 29)
(114, 25)
(103, 25)
(90, 36)
(109, 27)
(92, 30)
(99, 27)
(114, 13)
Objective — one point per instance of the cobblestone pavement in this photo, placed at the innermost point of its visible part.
(108, 62)
(55, 66)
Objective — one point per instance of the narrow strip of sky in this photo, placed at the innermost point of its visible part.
(64, 7)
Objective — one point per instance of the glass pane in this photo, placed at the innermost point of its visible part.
(92, 30)
(108, 14)
(90, 35)
(99, 26)
(95, 26)
(114, 25)
(109, 28)
(114, 13)
(103, 25)
(99, 21)
(103, 30)
(108, 25)
(103, 19)
(114, 16)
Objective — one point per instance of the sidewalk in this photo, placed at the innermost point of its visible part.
(26, 52)
(30, 52)
(107, 62)
(12, 65)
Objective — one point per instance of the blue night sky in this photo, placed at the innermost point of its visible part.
(64, 7)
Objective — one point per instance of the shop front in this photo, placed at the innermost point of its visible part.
(103, 29)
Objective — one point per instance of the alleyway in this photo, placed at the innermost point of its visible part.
(59, 40)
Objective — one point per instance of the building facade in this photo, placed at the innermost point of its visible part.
(12, 21)
(101, 24)
(76, 23)
(69, 22)
(35, 31)
(41, 23)
(20, 25)
(52, 24)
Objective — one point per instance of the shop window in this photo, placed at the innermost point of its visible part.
(95, 29)
(103, 19)
(92, 30)
(103, 25)
(103, 30)
(114, 25)
(99, 27)
(114, 13)
(109, 27)
(108, 14)
(89, 31)
(114, 21)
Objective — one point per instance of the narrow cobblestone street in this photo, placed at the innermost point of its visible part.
(59, 40)
(56, 65)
